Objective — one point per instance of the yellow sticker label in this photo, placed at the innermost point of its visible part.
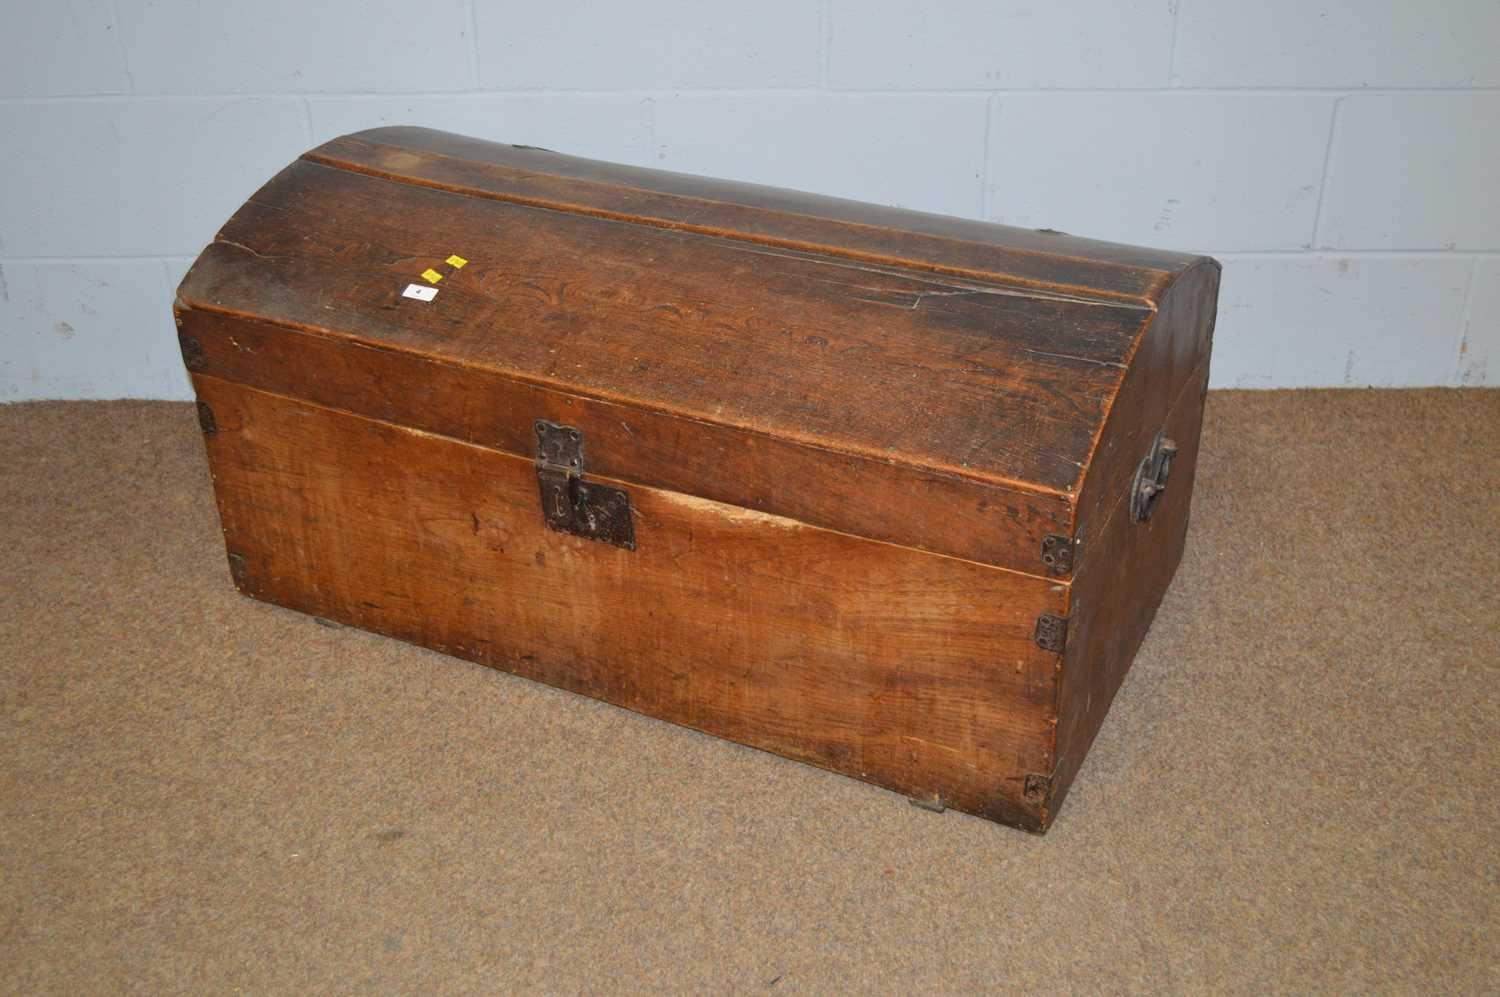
(456, 261)
(431, 275)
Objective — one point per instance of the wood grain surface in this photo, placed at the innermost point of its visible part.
(864, 495)
(1040, 258)
(753, 344)
(1114, 594)
(909, 670)
(879, 463)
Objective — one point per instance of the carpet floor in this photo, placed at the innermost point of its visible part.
(1296, 790)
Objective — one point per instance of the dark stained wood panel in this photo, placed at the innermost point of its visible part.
(1114, 595)
(1165, 361)
(786, 218)
(966, 379)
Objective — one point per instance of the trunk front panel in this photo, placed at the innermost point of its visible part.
(914, 671)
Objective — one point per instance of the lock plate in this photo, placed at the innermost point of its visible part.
(569, 503)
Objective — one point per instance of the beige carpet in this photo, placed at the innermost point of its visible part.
(1296, 790)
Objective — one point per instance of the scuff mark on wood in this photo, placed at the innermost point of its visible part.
(730, 513)
(1069, 356)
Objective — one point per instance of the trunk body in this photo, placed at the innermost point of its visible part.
(867, 488)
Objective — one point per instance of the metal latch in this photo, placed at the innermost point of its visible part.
(1151, 478)
(570, 504)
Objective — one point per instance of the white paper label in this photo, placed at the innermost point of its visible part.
(419, 292)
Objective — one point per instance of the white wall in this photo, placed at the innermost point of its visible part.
(1342, 157)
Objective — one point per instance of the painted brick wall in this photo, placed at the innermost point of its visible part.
(1342, 157)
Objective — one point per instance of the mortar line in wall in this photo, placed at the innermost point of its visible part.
(762, 92)
(649, 105)
(1172, 76)
(166, 275)
(1465, 316)
(473, 43)
(114, 19)
(984, 172)
(1316, 237)
(825, 26)
(1369, 254)
(122, 258)
(307, 119)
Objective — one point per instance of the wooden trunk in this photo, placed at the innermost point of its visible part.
(868, 488)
